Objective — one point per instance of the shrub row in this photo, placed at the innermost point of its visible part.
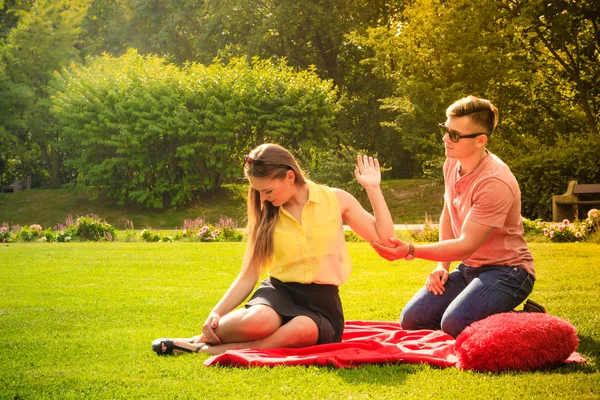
(566, 231)
(92, 228)
(86, 228)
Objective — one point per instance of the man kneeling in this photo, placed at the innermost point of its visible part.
(480, 225)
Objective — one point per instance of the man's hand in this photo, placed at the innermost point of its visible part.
(436, 280)
(392, 253)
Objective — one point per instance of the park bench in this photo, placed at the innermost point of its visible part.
(566, 206)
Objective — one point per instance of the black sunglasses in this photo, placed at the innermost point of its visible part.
(455, 137)
(261, 166)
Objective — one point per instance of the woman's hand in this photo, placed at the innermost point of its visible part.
(208, 329)
(367, 172)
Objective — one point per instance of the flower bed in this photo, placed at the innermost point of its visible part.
(566, 231)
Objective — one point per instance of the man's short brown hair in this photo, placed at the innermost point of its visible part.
(481, 111)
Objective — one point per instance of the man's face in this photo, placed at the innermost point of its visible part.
(465, 147)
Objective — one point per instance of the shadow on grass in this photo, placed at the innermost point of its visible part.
(589, 348)
(589, 345)
(384, 374)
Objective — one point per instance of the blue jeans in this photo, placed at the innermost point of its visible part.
(471, 294)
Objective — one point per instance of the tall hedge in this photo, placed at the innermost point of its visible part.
(548, 172)
(153, 133)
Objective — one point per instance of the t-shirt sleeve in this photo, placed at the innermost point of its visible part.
(492, 201)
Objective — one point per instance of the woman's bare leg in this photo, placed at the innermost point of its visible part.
(241, 325)
(247, 324)
(256, 327)
(298, 332)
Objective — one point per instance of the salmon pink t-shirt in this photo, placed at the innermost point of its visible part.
(489, 196)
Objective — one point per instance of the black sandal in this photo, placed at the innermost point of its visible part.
(533, 307)
(166, 347)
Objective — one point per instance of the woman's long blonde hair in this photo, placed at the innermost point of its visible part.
(262, 216)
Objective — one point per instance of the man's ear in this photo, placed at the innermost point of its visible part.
(482, 140)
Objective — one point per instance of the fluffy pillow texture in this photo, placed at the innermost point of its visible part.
(515, 341)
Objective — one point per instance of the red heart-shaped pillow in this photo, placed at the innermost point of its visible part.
(515, 341)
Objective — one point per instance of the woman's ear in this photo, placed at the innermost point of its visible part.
(291, 176)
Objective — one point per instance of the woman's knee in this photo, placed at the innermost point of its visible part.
(305, 332)
(260, 321)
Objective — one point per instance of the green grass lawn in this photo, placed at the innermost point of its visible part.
(408, 199)
(77, 320)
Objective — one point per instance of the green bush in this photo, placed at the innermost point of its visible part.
(229, 230)
(232, 234)
(533, 227)
(150, 236)
(29, 233)
(226, 230)
(94, 229)
(352, 237)
(5, 235)
(566, 231)
(429, 233)
(49, 235)
(160, 135)
(547, 172)
(65, 236)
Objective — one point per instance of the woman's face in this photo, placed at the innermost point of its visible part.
(275, 191)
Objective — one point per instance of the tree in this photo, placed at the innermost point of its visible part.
(167, 28)
(43, 40)
(564, 36)
(440, 51)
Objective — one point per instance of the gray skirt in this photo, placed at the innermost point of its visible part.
(321, 303)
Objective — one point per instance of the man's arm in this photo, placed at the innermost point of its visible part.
(446, 232)
(438, 277)
(472, 236)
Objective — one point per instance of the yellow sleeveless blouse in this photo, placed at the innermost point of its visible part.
(313, 251)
